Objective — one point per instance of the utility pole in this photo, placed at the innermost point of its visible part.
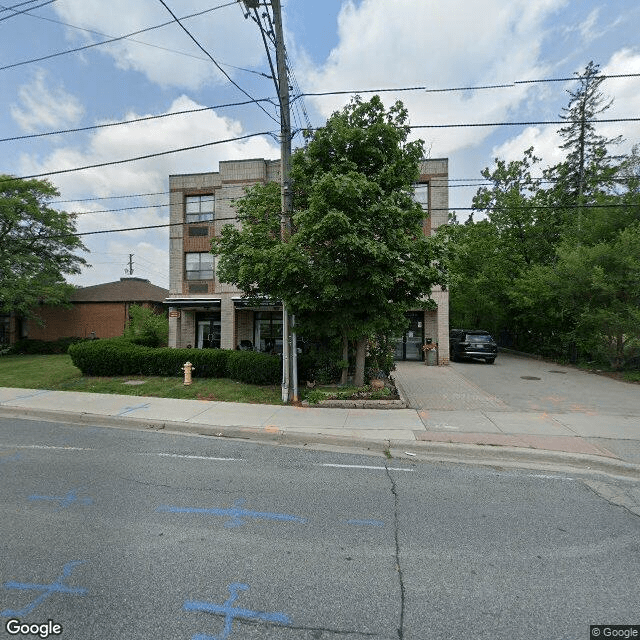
(289, 346)
(289, 355)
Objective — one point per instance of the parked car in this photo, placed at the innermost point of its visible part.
(466, 344)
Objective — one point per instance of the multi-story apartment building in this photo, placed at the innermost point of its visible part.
(207, 313)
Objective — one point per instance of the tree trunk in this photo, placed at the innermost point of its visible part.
(345, 358)
(361, 352)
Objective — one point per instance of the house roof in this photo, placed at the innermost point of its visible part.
(124, 290)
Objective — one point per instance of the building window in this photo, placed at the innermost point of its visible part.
(422, 195)
(195, 232)
(198, 287)
(199, 266)
(200, 208)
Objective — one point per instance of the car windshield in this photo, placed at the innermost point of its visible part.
(479, 337)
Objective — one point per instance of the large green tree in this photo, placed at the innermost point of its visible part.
(552, 260)
(37, 248)
(356, 258)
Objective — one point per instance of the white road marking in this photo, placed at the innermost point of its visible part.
(179, 455)
(549, 477)
(44, 446)
(360, 466)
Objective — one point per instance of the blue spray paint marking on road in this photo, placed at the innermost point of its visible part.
(135, 408)
(236, 513)
(13, 458)
(65, 501)
(366, 523)
(230, 612)
(47, 589)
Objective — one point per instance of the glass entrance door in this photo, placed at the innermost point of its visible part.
(409, 345)
(208, 333)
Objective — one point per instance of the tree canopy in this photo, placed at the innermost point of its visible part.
(552, 267)
(357, 257)
(37, 248)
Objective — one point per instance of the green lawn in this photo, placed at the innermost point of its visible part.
(57, 372)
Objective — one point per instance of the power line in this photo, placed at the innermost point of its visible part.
(145, 157)
(17, 13)
(517, 124)
(14, 6)
(146, 44)
(328, 93)
(134, 120)
(435, 209)
(233, 82)
(426, 89)
(110, 40)
(132, 195)
(148, 206)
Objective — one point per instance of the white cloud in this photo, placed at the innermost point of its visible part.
(167, 56)
(546, 140)
(626, 97)
(145, 176)
(45, 107)
(409, 43)
(147, 138)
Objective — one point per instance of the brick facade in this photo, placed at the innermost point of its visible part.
(105, 320)
(220, 301)
(101, 310)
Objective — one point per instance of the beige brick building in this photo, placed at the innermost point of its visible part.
(207, 313)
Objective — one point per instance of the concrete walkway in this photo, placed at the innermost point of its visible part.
(450, 416)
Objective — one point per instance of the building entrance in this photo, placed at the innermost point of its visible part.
(208, 331)
(409, 344)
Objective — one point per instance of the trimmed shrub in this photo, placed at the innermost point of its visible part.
(29, 346)
(119, 357)
(254, 368)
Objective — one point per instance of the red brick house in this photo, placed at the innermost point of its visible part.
(101, 310)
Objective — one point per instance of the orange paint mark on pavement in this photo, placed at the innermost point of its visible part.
(272, 429)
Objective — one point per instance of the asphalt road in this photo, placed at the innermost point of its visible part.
(118, 534)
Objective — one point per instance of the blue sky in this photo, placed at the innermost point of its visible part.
(333, 45)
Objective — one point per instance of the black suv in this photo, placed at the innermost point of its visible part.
(472, 344)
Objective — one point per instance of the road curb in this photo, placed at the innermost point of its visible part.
(406, 450)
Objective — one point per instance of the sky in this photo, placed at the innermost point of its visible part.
(72, 71)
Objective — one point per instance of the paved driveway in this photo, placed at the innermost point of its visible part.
(516, 383)
(524, 402)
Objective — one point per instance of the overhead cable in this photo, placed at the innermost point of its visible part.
(145, 157)
(15, 6)
(326, 93)
(134, 120)
(17, 13)
(450, 209)
(110, 40)
(506, 85)
(233, 82)
(142, 42)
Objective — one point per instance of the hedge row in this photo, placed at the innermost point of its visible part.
(119, 357)
(30, 346)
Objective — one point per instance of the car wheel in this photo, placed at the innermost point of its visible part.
(490, 360)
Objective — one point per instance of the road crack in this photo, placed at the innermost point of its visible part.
(396, 534)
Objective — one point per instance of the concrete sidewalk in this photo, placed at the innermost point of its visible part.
(486, 434)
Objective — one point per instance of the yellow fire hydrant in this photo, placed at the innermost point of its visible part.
(187, 368)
